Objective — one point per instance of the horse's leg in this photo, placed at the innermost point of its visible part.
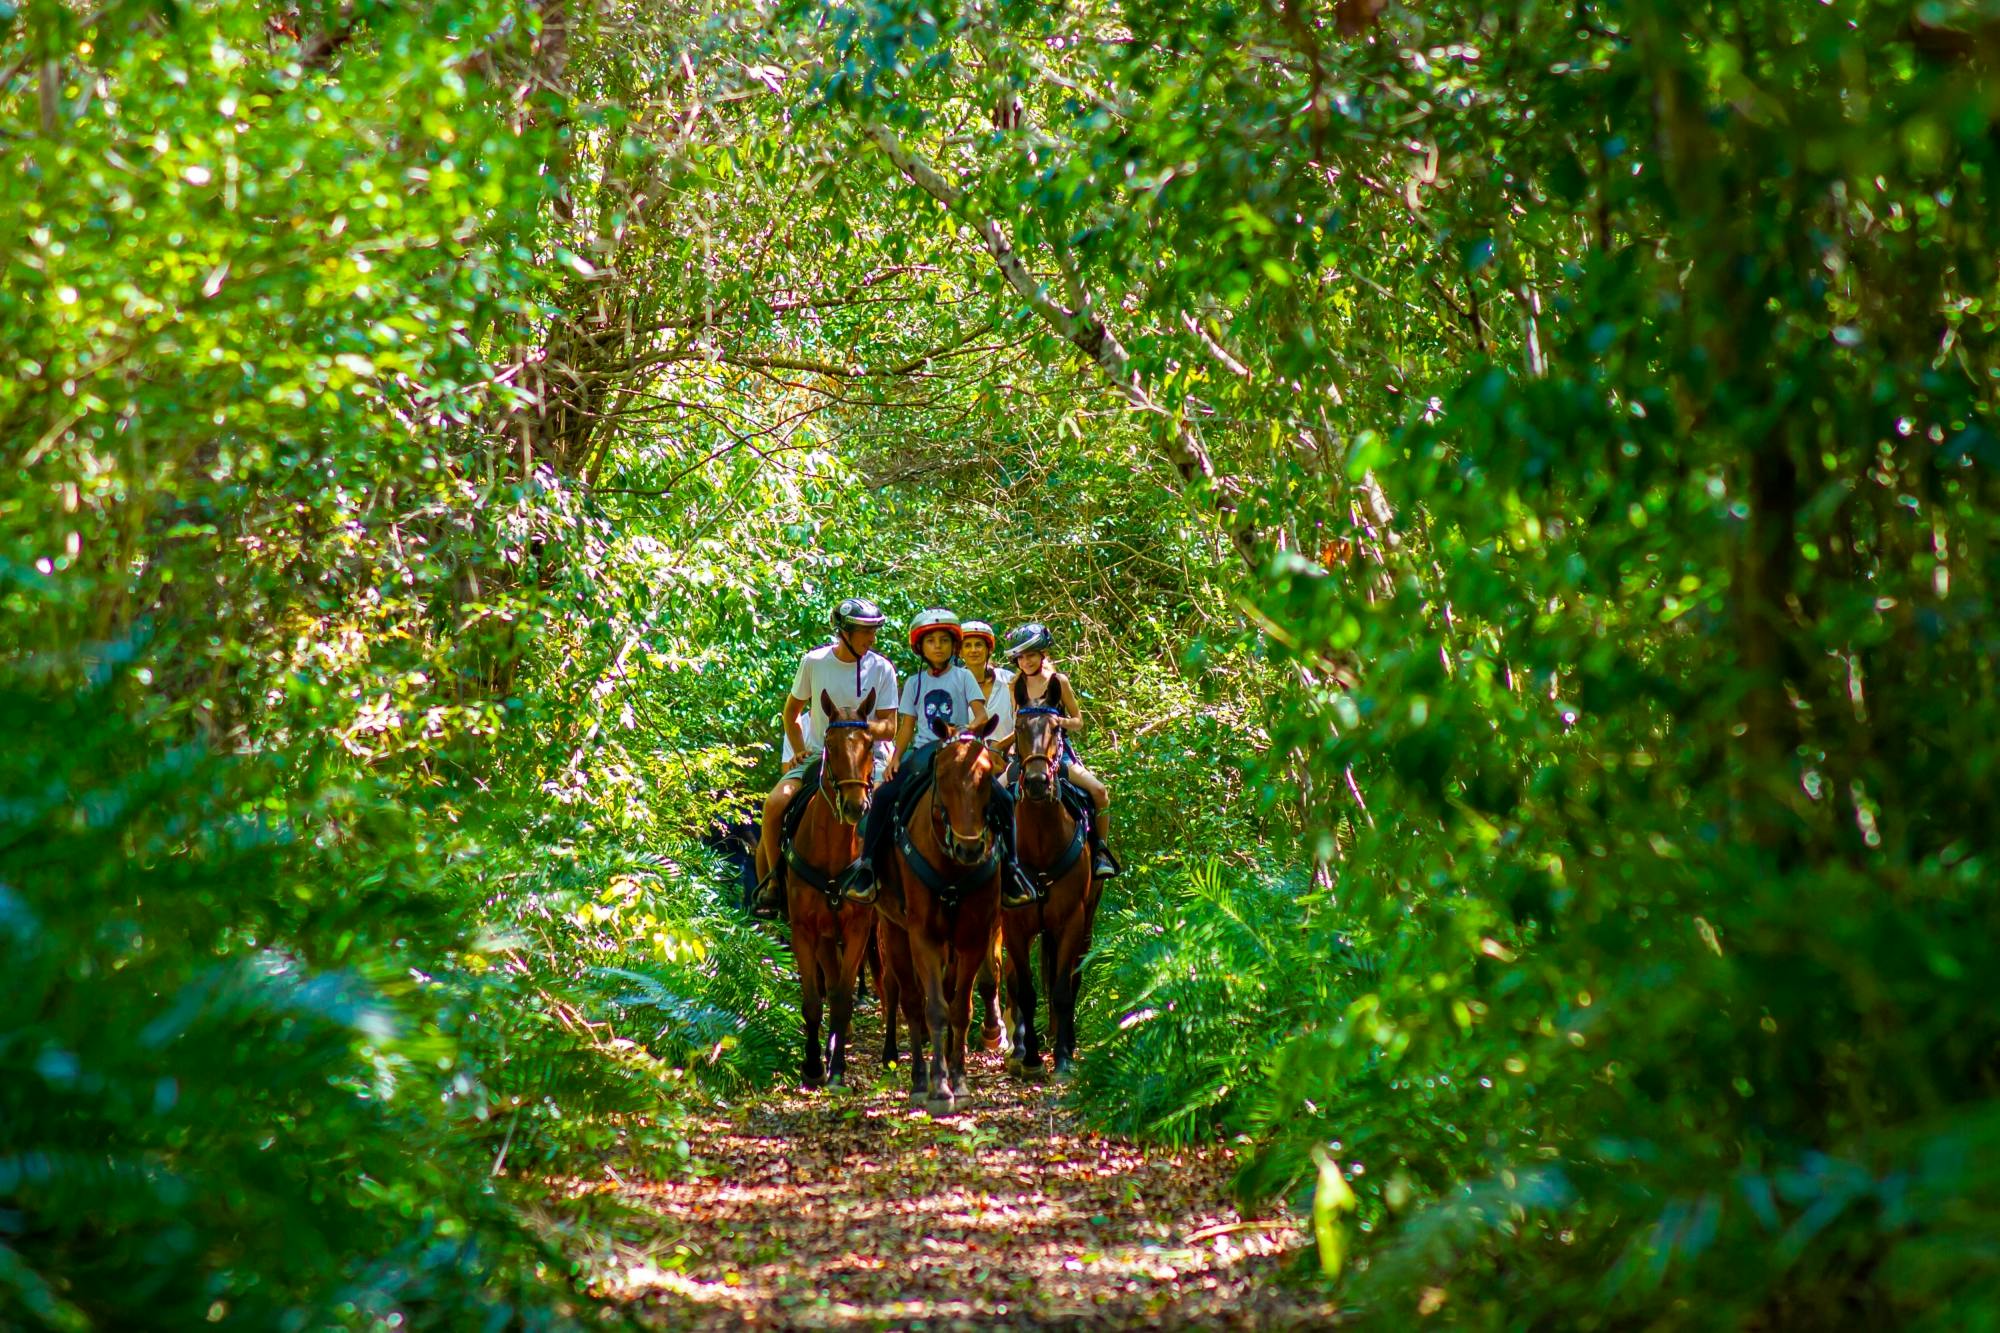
(812, 1073)
(1025, 1059)
(964, 980)
(844, 956)
(1070, 942)
(889, 989)
(991, 1035)
(1057, 964)
(931, 961)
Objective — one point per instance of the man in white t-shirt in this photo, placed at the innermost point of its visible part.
(847, 670)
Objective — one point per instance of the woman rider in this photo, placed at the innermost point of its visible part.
(1046, 687)
(976, 648)
(847, 669)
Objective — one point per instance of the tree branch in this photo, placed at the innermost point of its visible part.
(1084, 330)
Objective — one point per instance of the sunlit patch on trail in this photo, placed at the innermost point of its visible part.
(803, 1210)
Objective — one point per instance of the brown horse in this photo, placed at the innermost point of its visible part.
(830, 935)
(947, 896)
(1049, 843)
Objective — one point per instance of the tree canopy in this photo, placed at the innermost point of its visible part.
(1515, 485)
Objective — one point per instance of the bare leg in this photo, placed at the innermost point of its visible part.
(1103, 864)
(770, 897)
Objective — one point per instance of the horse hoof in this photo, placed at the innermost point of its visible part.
(812, 1082)
(944, 1105)
(989, 1039)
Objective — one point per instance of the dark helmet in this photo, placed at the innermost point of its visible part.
(856, 613)
(1031, 637)
(979, 629)
(930, 618)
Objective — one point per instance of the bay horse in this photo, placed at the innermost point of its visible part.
(940, 924)
(1050, 844)
(829, 934)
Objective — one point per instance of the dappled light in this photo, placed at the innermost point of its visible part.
(1361, 632)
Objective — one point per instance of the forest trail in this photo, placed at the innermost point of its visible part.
(855, 1210)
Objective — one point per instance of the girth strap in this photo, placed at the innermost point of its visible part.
(946, 890)
(1045, 878)
(828, 885)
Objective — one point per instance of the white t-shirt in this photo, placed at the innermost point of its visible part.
(948, 696)
(1000, 703)
(846, 682)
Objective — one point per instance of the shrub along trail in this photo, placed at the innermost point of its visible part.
(855, 1210)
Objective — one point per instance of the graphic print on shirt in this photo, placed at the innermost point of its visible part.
(937, 707)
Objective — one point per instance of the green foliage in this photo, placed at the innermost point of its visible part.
(1552, 723)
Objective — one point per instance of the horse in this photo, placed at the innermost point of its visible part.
(1049, 844)
(947, 867)
(829, 934)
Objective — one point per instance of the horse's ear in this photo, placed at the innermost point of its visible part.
(826, 702)
(940, 728)
(1020, 689)
(867, 708)
(985, 729)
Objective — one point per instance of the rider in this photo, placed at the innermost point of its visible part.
(846, 669)
(1046, 687)
(942, 690)
(976, 649)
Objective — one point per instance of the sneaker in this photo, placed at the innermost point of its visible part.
(1102, 864)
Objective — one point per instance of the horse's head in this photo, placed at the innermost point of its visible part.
(847, 773)
(1038, 740)
(962, 786)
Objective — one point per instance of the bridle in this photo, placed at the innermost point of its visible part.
(1047, 761)
(949, 837)
(866, 782)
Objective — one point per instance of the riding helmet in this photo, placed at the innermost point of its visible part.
(1031, 637)
(934, 617)
(979, 629)
(856, 613)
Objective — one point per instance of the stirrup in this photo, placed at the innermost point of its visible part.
(1017, 890)
(769, 908)
(858, 883)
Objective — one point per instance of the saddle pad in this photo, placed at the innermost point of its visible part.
(795, 813)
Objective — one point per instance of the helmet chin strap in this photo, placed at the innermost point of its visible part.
(848, 644)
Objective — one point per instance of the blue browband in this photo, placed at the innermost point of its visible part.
(848, 726)
(1040, 710)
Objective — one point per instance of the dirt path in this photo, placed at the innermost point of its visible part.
(851, 1210)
